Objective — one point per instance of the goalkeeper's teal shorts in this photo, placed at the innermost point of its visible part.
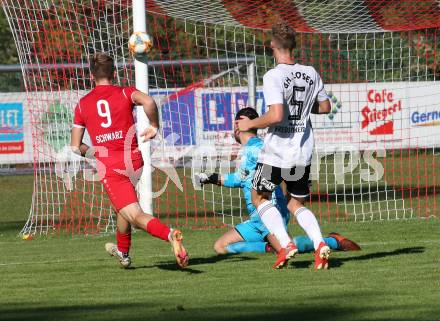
(252, 231)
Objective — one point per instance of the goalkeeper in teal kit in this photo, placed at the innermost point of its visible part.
(252, 235)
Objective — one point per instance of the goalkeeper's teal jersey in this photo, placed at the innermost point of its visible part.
(243, 178)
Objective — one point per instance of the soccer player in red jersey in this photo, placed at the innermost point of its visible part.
(107, 114)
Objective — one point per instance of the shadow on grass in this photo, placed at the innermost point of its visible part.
(11, 227)
(337, 262)
(172, 266)
(219, 258)
(145, 311)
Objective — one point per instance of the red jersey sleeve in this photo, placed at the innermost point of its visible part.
(128, 92)
(78, 121)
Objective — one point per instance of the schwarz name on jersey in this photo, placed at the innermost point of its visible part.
(109, 136)
(297, 75)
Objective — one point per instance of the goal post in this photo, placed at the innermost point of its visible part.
(144, 186)
(252, 85)
(377, 152)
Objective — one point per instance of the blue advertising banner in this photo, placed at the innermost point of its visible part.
(241, 101)
(217, 112)
(218, 109)
(178, 118)
(11, 128)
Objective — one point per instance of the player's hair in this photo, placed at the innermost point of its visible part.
(284, 35)
(102, 66)
(250, 113)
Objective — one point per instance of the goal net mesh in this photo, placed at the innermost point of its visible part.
(376, 154)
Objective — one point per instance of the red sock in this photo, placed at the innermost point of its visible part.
(269, 248)
(124, 242)
(157, 229)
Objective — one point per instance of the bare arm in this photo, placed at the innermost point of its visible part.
(150, 108)
(272, 117)
(321, 107)
(76, 141)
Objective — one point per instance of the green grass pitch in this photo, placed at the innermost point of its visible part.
(394, 277)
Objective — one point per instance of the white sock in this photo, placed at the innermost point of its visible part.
(170, 235)
(309, 224)
(273, 220)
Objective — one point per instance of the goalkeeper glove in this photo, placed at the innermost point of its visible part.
(204, 178)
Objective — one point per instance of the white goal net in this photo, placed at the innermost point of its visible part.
(376, 153)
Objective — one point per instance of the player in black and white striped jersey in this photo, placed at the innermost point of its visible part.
(292, 91)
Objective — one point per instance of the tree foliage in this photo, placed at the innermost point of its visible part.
(66, 35)
(9, 81)
(8, 51)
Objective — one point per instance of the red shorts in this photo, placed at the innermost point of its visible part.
(120, 187)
